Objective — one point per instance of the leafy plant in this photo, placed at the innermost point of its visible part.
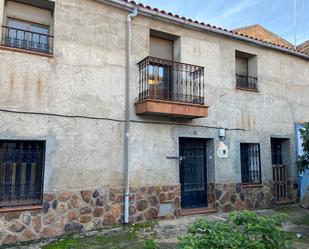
(150, 244)
(303, 160)
(243, 230)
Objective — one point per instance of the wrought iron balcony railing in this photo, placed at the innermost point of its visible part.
(23, 39)
(246, 82)
(172, 81)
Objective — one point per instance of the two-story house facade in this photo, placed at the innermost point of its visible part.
(108, 117)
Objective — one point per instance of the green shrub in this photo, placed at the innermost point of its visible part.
(150, 244)
(303, 160)
(243, 230)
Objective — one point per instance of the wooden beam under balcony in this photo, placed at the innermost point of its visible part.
(170, 108)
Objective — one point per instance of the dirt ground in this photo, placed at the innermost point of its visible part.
(297, 223)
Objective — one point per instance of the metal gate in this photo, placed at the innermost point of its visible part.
(193, 176)
(280, 178)
(280, 171)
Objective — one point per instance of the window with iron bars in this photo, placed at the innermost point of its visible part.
(28, 27)
(21, 173)
(250, 163)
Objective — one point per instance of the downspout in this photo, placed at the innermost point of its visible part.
(127, 122)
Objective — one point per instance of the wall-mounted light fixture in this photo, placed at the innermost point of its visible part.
(222, 149)
(222, 134)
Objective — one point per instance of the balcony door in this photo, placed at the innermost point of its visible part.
(160, 70)
(159, 81)
(193, 176)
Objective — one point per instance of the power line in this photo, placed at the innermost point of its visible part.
(294, 22)
(303, 19)
(115, 120)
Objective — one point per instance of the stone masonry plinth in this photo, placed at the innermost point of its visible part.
(71, 212)
(228, 197)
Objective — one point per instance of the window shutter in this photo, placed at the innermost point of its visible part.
(161, 48)
(28, 13)
(241, 65)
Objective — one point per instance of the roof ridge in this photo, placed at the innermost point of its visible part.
(245, 27)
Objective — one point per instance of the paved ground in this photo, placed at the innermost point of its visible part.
(165, 233)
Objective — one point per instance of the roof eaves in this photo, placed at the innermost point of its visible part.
(194, 24)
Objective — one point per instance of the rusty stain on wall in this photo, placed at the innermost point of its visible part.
(26, 82)
(11, 85)
(38, 89)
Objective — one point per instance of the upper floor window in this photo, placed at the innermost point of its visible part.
(21, 173)
(246, 71)
(28, 27)
(250, 163)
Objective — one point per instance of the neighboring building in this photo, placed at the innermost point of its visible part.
(304, 47)
(258, 31)
(212, 123)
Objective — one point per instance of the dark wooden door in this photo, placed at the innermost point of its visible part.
(280, 171)
(193, 176)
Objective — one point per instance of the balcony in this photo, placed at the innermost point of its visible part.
(169, 88)
(27, 40)
(247, 83)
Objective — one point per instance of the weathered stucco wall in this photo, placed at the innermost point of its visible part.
(86, 77)
(281, 101)
(80, 152)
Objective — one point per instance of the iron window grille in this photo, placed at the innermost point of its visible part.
(22, 173)
(27, 40)
(246, 82)
(250, 163)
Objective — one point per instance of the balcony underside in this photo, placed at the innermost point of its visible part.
(170, 108)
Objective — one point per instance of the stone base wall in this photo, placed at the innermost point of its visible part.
(236, 196)
(68, 212)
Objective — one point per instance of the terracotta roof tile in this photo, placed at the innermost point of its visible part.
(208, 25)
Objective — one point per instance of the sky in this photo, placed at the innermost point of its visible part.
(275, 15)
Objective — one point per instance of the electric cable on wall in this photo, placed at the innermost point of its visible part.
(115, 120)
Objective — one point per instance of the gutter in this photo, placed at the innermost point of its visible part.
(197, 26)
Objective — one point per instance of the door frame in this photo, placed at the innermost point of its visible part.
(205, 168)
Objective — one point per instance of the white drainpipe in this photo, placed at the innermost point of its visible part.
(127, 122)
